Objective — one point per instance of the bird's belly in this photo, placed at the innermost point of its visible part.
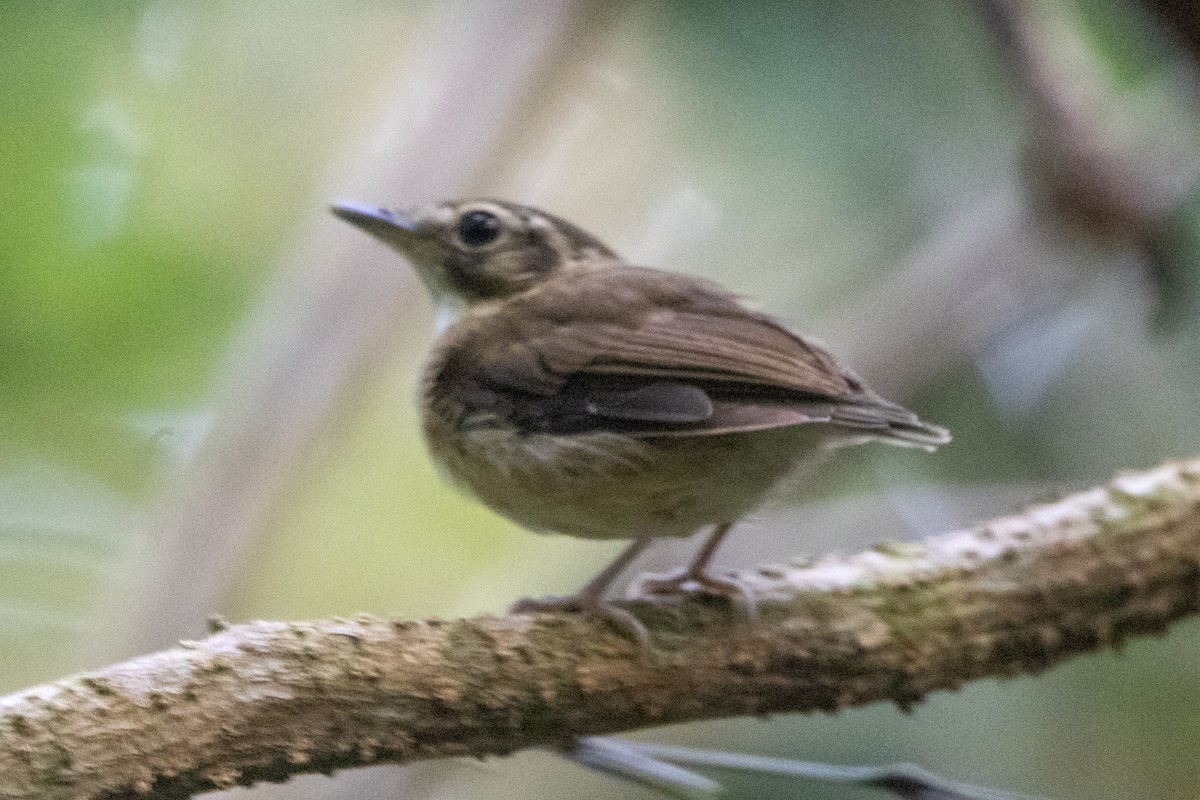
(610, 486)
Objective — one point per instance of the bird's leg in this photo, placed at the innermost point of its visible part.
(590, 599)
(695, 576)
(696, 570)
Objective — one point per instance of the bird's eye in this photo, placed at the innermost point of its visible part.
(477, 228)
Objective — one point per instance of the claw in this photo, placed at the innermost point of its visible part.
(684, 581)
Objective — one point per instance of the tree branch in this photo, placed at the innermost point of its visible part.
(266, 700)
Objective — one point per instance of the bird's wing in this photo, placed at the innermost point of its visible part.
(678, 374)
(681, 364)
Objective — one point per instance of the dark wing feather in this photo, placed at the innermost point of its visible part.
(658, 402)
(654, 354)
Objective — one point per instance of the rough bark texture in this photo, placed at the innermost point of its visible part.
(265, 700)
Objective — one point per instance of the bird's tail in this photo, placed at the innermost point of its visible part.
(879, 419)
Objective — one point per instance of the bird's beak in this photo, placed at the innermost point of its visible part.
(392, 227)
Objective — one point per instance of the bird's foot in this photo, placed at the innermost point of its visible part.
(687, 581)
(625, 622)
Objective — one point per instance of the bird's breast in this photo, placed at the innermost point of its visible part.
(599, 484)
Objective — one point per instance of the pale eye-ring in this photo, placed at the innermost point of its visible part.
(478, 228)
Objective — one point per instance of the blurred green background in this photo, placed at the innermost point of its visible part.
(206, 382)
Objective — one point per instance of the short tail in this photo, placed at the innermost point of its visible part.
(879, 419)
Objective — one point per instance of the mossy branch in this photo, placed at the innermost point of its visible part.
(266, 700)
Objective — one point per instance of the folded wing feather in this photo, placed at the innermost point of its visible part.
(671, 362)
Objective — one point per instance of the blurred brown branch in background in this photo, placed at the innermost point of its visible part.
(1082, 167)
(1091, 173)
(266, 700)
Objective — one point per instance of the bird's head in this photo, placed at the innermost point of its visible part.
(473, 251)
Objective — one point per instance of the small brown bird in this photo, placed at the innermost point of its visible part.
(574, 393)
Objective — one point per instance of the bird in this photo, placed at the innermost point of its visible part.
(575, 393)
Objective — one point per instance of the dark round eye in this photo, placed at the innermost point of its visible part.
(477, 228)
